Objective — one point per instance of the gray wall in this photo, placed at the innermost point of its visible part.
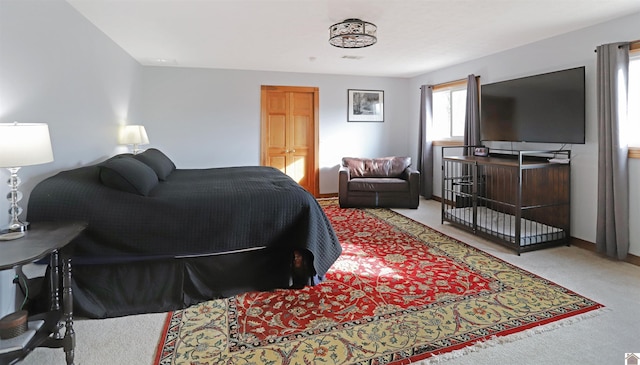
(57, 68)
(566, 51)
(211, 118)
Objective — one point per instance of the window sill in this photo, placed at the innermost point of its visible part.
(448, 142)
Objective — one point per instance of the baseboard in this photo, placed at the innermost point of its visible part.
(330, 195)
(590, 246)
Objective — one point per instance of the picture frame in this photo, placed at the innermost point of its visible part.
(365, 105)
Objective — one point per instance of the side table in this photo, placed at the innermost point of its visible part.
(42, 239)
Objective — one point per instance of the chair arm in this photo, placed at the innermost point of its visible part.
(410, 173)
(343, 179)
(413, 176)
(344, 172)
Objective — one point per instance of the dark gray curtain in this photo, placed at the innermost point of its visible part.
(472, 116)
(612, 84)
(425, 156)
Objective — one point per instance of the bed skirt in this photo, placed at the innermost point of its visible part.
(152, 285)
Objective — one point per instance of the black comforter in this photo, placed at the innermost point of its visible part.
(194, 213)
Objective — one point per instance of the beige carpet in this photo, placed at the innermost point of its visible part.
(600, 339)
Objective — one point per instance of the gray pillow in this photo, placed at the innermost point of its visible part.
(158, 161)
(128, 174)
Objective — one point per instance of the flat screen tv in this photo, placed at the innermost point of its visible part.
(545, 108)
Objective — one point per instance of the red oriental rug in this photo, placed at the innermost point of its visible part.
(400, 292)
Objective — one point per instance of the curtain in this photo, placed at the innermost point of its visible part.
(612, 84)
(471, 124)
(472, 116)
(425, 156)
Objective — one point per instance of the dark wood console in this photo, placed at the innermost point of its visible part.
(520, 199)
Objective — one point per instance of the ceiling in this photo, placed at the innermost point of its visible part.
(414, 36)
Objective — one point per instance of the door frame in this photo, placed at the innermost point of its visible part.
(315, 179)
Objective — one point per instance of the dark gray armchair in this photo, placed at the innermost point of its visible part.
(378, 182)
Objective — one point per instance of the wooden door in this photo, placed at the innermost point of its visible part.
(289, 132)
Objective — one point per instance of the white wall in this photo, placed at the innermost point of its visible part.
(57, 68)
(565, 51)
(211, 118)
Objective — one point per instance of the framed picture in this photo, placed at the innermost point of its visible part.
(366, 106)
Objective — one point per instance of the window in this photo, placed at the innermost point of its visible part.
(634, 95)
(633, 106)
(449, 109)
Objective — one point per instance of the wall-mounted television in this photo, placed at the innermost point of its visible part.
(545, 108)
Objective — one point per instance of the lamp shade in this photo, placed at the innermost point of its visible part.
(24, 144)
(133, 134)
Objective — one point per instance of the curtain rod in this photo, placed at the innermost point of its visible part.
(450, 83)
(631, 44)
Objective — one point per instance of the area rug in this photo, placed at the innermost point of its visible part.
(401, 292)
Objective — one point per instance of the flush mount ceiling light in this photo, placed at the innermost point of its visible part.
(353, 33)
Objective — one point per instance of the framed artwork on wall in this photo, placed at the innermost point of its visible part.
(365, 105)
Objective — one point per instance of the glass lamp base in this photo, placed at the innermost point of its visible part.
(11, 236)
(18, 226)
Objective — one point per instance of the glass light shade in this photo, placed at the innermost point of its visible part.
(24, 144)
(133, 134)
(353, 33)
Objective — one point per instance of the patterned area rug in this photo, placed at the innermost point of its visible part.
(399, 293)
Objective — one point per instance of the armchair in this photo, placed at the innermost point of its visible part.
(388, 182)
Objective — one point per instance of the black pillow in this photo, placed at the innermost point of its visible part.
(158, 161)
(128, 174)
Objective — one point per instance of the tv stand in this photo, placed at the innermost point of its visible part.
(520, 199)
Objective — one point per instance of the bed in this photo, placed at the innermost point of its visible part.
(161, 238)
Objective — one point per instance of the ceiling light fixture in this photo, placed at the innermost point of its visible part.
(353, 33)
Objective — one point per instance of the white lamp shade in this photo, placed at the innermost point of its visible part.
(133, 134)
(24, 144)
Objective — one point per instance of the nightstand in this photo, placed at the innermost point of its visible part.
(45, 329)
